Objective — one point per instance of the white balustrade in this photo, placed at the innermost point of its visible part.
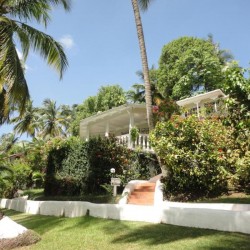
(142, 142)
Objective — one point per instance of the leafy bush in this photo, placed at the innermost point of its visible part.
(6, 182)
(194, 155)
(22, 174)
(243, 173)
(79, 167)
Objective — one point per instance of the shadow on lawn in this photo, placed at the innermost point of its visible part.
(39, 223)
(160, 234)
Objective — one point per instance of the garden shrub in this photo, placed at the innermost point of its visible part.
(243, 173)
(22, 174)
(79, 167)
(6, 182)
(194, 154)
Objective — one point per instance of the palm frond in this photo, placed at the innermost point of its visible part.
(48, 48)
(35, 9)
(11, 71)
(144, 4)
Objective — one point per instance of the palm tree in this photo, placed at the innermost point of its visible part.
(27, 122)
(137, 93)
(54, 120)
(7, 141)
(14, 16)
(144, 5)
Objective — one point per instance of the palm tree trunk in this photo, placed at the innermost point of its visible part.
(148, 96)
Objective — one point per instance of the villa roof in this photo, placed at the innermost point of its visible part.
(206, 96)
(117, 118)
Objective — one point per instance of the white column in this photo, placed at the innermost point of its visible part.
(215, 107)
(198, 110)
(107, 129)
(87, 133)
(131, 125)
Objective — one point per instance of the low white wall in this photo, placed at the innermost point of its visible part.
(224, 217)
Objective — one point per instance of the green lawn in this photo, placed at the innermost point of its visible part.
(92, 233)
(239, 198)
(38, 195)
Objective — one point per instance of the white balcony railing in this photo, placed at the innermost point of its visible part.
(142, 142)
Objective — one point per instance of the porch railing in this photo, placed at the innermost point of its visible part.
(142, 142)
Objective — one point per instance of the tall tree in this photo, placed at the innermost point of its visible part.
(144, 6)
(137, 93)
(14, 16)
(54, 121)
(188, 65)
(107, 97)
(27, 122)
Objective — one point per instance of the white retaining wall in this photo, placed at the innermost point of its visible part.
(224, 217)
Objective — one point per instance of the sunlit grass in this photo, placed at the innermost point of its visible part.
(93, 233)
(237, 198)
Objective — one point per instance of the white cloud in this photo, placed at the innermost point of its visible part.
(67, 41)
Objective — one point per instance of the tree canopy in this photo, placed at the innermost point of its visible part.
(107, 97)
(188, 65)
(14, 27)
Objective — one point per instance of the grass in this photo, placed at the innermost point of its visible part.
(93, 233)
(38, 195)
(238, 198)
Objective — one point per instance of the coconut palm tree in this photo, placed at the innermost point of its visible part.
(14, 16)
(27, 122)
(144, 6)
(54, 120)
(7, 141)
(137, 93)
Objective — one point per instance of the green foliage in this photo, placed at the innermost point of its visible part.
(110, 96)
(194, 154)
(243, 172)
(107, 97)
(22, 174)
(238, 118)
(188, 65)
(78, 167)
(134, 133)
(238, 103)
(165, 109)
(6, 181)
(14, 15)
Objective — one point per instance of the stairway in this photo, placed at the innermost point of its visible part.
(143, 194)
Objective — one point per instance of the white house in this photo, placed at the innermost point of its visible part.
(119, 120)
(208, 102)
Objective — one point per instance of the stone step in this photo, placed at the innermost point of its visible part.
(142, 202)
(143, 194)
(144, 189)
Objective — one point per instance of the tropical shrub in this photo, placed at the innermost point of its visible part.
(6, 181)
(78, 167)
(194, 155)
(22, 174)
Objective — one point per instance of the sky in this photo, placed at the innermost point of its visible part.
(100, 41)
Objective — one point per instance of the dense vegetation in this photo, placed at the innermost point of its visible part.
(200, 158)
(205, 158)
(76, 167)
